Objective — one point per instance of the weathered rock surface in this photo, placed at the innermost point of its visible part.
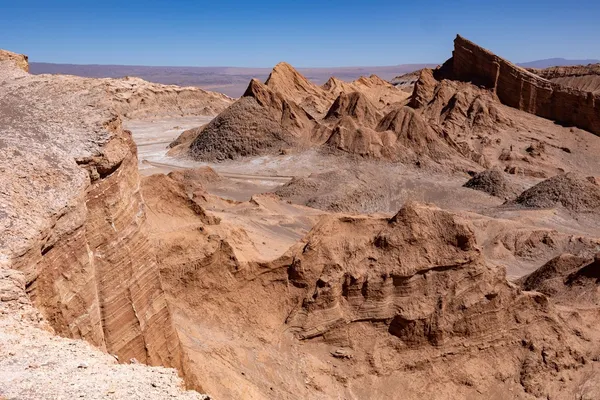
(570, 281)
(290, 112)
(369, 269)
(136, 98)
(261, 121)
(20, 60)
(493, 182)
(581, 77)
(356, 106)
(37, 364)
(292, 85)
(73, 220)
(524, 90)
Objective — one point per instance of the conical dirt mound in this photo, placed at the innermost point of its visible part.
(493, 182)
(571, 191)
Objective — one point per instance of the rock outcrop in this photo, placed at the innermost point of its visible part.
(568, 279)
(493, 182)
(292, 85)
(524, 90)
(407, 272)
(356, 106)
(420, 278)
(259, 122)
(73, 220)
(20, 60)
(135, 98)
(581, 77)
(290, 112)
(36, 364)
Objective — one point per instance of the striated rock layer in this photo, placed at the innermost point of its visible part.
(524, 90)
(72, 218)
(582, 77)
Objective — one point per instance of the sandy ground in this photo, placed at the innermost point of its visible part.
(153, 137)
(372, 186)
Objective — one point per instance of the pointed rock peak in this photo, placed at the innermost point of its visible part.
(355, 105)
(285, 67)
(259, 91)
(424, 88)
(255, 86)
(372, 80)
(461, 42)
(332, 83)
(285, 73)
(377, 80)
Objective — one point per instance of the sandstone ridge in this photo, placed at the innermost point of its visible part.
(524, 90)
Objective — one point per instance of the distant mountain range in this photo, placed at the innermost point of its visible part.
(229, 80)
(234, 80)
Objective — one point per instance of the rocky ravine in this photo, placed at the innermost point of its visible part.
(73, 223)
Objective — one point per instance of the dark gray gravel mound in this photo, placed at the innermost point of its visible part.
(572, 191)
(493, 182)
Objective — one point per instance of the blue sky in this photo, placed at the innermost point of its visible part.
(303, 33)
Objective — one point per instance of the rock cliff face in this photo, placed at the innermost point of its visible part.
(524, 90)
(73, 220)
(99, 281)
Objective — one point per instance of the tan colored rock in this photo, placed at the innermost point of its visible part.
(20, 60)
(285, 80)
(135, 98)
(356, 106)
(73, 219)
(423, 89)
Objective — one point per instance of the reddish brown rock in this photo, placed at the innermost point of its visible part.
(582, 77)
(355, 105)
(519, 88)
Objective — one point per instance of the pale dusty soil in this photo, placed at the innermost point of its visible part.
(36, 364)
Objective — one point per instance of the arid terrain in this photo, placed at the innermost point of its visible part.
(435, 236)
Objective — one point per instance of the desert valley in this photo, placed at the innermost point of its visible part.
(432, 235)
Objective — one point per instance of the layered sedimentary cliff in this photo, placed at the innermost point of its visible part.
(582, 77)
(519, 88)
(72, 218)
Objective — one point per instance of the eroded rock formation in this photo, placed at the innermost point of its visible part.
(524, 90)
(73, 220)
(581, 77)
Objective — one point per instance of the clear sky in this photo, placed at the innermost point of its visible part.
(261, 33)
